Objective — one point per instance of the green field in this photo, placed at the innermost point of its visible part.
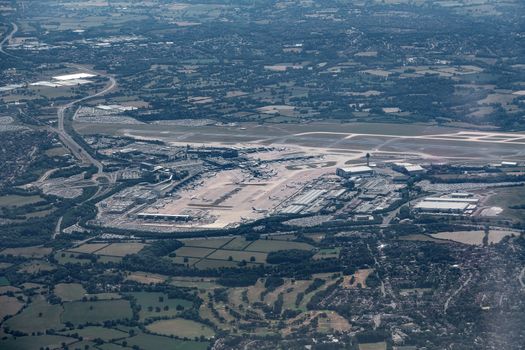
(229, 252)
(206, 243)
(35, 342)
(152, 306)
(69, 291)
(78, 312)
(152, 342)
(181, 328)
(506, 198)
(37, 317)
(236, 255)
(373, 346)
(272, 246)
(28, 252)
(36, 266)
(13, 200)
(238, 243)
(64, 258)
(194, 252)
(328, 253)
(103, 333)
(215, 264)
(4, 281)
(184, 260)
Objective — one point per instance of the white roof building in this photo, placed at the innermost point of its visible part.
(354, 171)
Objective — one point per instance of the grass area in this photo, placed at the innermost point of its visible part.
(9, 306)
(111, 346)
(184, 260)
(78, 312)
(373, 346)
(238, 243)
(28, 252)
(36, 266)
(35, 342)
(194, 282)
(88, 248)
(215, 264)
(92, 332)
(13, 200)
(194, 252)
(158, 305)
(229, 252)
(153, 342)
(5, 265)
(146, 278)
(69, 291)
(328, 253)
(121, 249)
(506, 198)
(57, 152)
(272, 246)
(236, 255)
(108, 259)
(64, 258)
(37, 317)
(182, 328)
(422, 238)
(4, 281)
(206, 243)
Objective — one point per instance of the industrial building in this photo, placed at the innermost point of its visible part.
(360, 170)
(447, 205)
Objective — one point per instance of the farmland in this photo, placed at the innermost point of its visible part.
(96, 311)
(229, 252)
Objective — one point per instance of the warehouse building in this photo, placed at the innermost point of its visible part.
(447, 205)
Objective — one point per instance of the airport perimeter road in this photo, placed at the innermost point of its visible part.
(7, 39)
(77, 150)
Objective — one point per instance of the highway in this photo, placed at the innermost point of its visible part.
(7, 39)
(77, 150)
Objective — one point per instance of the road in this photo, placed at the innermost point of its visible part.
(77, 150)
(456, 292)
(7, 39)
(57, 228)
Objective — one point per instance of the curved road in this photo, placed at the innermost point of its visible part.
(7, 39)
(77, 150)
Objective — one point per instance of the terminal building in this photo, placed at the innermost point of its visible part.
(160, 216)
(360, 170)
